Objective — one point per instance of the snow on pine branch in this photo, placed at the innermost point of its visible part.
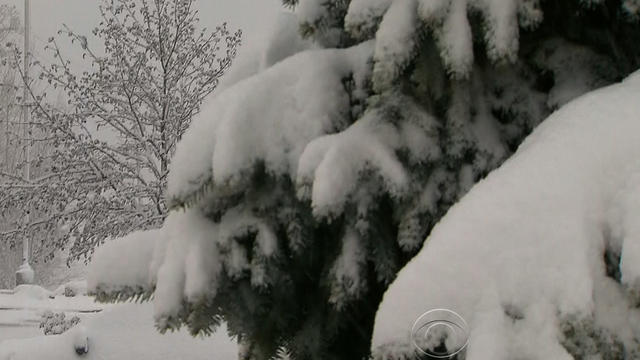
(368, 146)
(363, 16)
(268, 118)
(124, 264)
(448, 21)
(398, 26)
(531, 257)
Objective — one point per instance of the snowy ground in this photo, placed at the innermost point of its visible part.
(21, 310)
(123, 331)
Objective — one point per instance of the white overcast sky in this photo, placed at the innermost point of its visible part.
(252, 16)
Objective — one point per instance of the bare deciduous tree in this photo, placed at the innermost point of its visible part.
(112, 143)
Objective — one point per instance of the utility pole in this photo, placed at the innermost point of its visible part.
(25, 273)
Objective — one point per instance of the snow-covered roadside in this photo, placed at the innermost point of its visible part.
(123, 331)
(34, 297)
(521, 256)
(21, 309)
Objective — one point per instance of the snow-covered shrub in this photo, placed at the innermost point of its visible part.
(301, 190)
(541, 257)
(57, 323)
(72, 289)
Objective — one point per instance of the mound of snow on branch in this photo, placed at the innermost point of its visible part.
(282, 41)
(268, 118)
(542, 258)
(124, 262)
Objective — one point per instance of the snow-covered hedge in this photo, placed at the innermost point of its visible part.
(57, 323)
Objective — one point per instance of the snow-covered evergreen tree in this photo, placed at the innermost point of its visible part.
(307, 184)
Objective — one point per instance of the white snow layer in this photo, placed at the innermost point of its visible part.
(123, 331)
(33, 297)
(269, 117)
(523, 250)
(310, 11)
(186, 261)
(398, 23)
(395, 42)
(123, 262)
(363, 15)
(283, 40)
(330, 166)
(181, 259)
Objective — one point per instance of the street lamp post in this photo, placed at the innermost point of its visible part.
(25, 274)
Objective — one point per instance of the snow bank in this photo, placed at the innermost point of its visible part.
(122, 332)
(521, 256)
(22, 310)
(33, 297)
(32, 292)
